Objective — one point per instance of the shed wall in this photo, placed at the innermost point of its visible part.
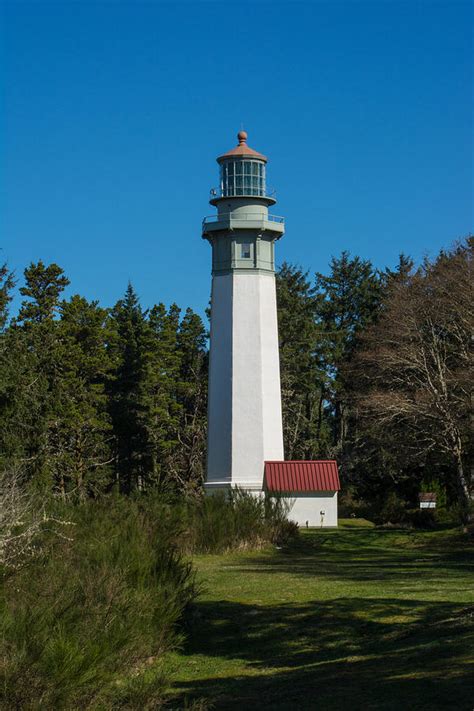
(306, 506)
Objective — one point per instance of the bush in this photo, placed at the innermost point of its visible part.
(237, 519)
(393, 510)
(86, 621)
(282, 530)
(351, 506)
(81, 622)
(422, 518)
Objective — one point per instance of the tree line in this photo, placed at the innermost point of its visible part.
(93, 399)
(376, 372)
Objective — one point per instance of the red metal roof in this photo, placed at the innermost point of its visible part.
(318, 475)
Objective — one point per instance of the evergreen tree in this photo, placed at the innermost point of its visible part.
(84, 435)
(7, 283)
(402, 271)
(158, 395)
(188, 464)
(53, 407)
(165, 415)
(347, 301)
(44, 285)
(130, 392)
(302, 376)
(23, 394)
(11, 440)
(36, 368)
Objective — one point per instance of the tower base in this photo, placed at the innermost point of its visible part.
(213, 487)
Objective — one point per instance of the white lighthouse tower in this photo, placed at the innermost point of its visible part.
(244, 416)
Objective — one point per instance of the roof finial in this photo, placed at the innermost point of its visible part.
(242, 136)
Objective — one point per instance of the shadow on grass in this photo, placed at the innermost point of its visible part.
(342, 654)
(371, 554)
(350, 652)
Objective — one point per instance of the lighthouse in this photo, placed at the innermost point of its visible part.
(244, 411)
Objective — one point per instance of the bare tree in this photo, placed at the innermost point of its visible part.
(19, 522)
(413, 374)
(22, 519)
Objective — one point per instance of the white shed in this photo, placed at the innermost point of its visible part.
(310, 486)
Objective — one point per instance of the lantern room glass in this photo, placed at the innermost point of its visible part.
(243, 177)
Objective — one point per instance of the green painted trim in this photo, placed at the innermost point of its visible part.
(241, 270)
(226, 253)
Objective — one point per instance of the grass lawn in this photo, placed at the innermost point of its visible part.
(353, 618)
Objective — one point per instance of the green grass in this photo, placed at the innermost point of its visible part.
(354, 618)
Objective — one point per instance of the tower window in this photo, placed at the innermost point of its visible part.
(245, 250)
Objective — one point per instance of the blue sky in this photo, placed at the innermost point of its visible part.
(113, 114)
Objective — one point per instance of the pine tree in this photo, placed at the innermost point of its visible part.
(36, 368)
(44, 286)
(54, 415)
(165, 414)
(84, 435)
(347, 301)
(188, 464)
(7, 282)
(12, 440)
(130, 393)
(23, 396)
(402, 271)
(302, 375)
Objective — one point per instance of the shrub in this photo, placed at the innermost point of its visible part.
(422, 518)
(393, 510)
(459, 514)
(351, 506)
(86, 621)
(282, 530)
(237, 519)
(80, 621)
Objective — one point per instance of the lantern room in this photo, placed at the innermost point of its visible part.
(242, 171)
(242, 177)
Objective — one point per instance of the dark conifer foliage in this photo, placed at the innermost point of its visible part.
(87, 428)
(7, 282)
(348, 299)
(130, 400)
(43, 288)
(157, 395)
(36, 391)
(376, 371)
(303, 377)
(188, 465)
(95, 399)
